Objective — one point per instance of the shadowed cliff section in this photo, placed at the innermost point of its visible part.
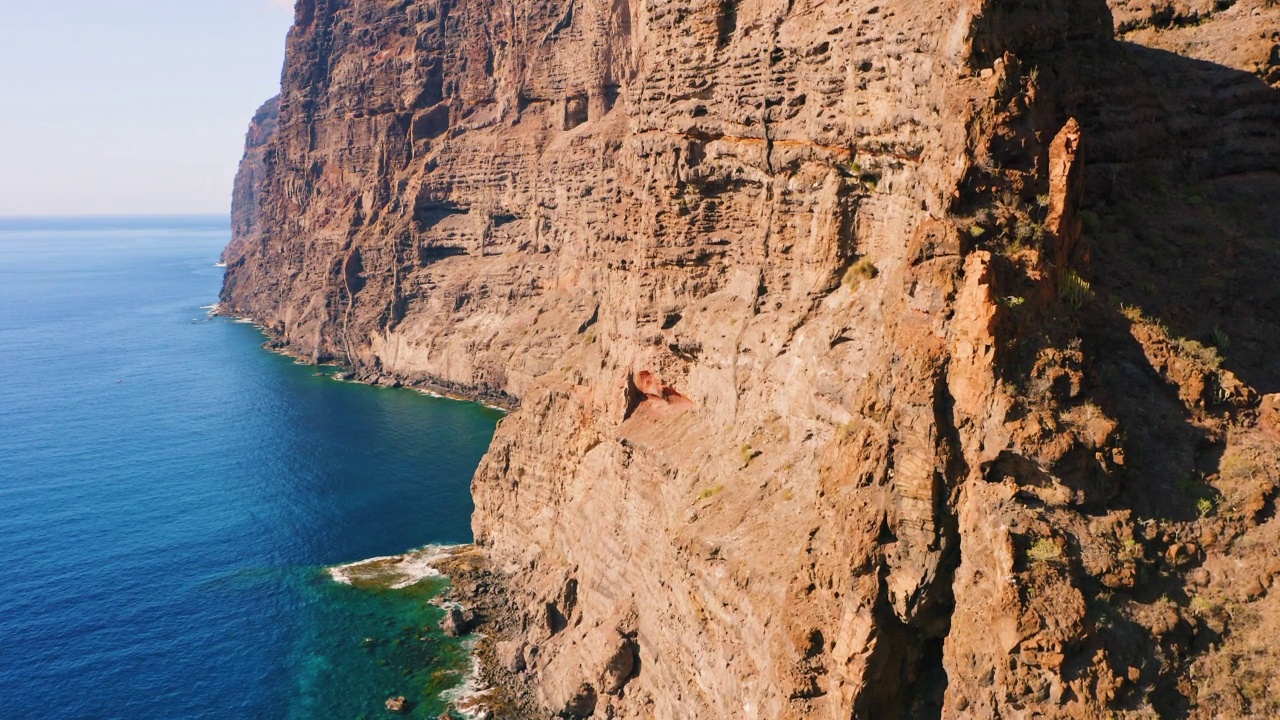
(1188, 153)
(873, 360)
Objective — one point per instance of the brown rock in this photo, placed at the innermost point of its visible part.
(582, 703)
(531, 656)
(1066, 193)
(617, 668)
(750, 273)
(1269, 414)
(1199, 577)
(398, 704)
(511, 655)
(455, 622)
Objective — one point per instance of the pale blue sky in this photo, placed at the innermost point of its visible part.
(131, 106)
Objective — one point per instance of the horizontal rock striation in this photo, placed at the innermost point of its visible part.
(851, 379)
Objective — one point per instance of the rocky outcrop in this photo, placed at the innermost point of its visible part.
(455, 622)
(1066, 195)
(255, 170)
(813, 421)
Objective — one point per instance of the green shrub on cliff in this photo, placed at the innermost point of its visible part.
(1074, 290)
(1043, 550)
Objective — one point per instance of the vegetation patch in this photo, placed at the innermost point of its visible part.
(1043, 551)
(1199, 353)
(862, 270)
(1074, 290)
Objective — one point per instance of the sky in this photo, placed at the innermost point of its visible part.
(114, 107)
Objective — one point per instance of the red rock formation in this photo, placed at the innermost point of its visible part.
(1066, 195)
(899, 478)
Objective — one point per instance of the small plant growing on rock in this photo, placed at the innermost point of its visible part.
(1199, 353)
(845, 430)
(1237, 467)
(711, 492)
(747, 453)
(1131, 549)
(1200, 607)
(1024, 233)
(864, 269)
(1043, 551)
(1132, 313)
(1074, 290)
(1204, 506)
(1220, 338)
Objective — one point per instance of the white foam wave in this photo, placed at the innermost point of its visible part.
(434, 394)
(401, 571)
(469, 697)
(397, 571)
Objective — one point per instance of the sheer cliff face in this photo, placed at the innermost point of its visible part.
(255, 171)
(846, 387)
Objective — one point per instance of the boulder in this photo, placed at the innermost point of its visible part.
(617, 668)
(582, 704)
(1269, 414)
(511, 655)
(398, 704)
(455, 622)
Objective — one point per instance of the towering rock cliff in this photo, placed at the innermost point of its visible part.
(873, 359)
(255, 170)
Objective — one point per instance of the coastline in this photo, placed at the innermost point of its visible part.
(424, 385)
(487, 690)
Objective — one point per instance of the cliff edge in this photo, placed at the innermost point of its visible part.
(873, 359)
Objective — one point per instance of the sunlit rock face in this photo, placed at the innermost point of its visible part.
(844, 390)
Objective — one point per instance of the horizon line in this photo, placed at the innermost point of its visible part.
(104, 216)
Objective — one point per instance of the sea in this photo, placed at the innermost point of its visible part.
(172, 496)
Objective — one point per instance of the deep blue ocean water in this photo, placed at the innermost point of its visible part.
(170, 493)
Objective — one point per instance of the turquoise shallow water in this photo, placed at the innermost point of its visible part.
(170, 494)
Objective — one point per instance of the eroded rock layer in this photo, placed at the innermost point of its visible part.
(873, 359)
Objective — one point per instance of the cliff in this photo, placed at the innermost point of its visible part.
(873, 360)
(254, 172)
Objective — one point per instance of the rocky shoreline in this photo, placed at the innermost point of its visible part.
(490, 397)
(477, 606)
(500, 690)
